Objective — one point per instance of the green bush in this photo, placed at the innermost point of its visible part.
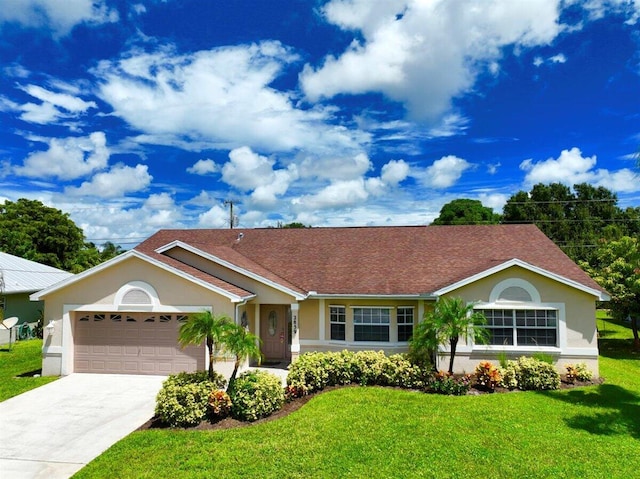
(369, 368)
(315, 371)
(256, 394)
(183, 398)
(400, 372)
(183, 405)
(310, 371)
(530, 374)
(339, 367)
(199, 377)
(508, 376)
(445, 383)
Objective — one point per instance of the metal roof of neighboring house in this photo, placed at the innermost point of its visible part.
(23, 276)
(404, 260)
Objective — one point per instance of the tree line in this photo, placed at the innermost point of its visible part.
(46, 235)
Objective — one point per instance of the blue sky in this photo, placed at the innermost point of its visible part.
(137, 116)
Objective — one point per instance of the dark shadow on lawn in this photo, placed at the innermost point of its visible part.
(623, 417)
(618, 349)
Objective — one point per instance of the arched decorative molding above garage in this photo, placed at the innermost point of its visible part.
(137, 296)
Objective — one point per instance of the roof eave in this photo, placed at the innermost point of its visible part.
(409, 296)
(210, 257)
(600, 295)
(38, 296)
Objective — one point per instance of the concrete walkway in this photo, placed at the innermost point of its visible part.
(53, 431)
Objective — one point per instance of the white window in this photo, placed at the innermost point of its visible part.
(338, 319)
(522, 327)
(371, 324)
(405, 323)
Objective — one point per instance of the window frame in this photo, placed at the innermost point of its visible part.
(369, 328)
(339, 321)
(404, 324)
(560, 326)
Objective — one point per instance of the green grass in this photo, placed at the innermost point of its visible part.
(589, 432)
(17, 366)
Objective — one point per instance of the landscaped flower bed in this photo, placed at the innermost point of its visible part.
(195, 400)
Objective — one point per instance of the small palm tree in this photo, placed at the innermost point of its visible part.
(207, 327)
(242, 344)
(453, 318)
(423, 346)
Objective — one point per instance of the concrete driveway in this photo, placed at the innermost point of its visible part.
(54, 430)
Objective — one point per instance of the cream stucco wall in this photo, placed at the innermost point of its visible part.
(577, 325)
(316, 334)
(98, 292)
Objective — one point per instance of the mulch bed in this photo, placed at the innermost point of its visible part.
(294, 405)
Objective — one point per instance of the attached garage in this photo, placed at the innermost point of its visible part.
(132, 343)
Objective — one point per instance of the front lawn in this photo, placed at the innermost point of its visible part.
(17, 367)
(380, 432)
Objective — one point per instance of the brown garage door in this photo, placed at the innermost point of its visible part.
(132, 343)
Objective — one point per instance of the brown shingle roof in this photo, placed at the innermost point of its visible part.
(376, 260)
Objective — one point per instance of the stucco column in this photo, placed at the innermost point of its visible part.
(295, 331)
(256, 313)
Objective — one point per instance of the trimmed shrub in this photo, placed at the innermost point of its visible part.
(199, 377)
(309, 370)
(400, 372)
(315, 371)
(183, 405)
(339, 367)
(369, 368)
(219, 405)
(488, 376)
(444, 383)
(535, 375)
(508, 375)
(256, 394)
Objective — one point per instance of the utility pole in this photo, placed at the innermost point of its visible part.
(231, 218)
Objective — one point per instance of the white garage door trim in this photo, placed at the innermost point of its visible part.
(132, 343)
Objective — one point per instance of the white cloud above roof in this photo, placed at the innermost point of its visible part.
(67, 158)
(118, 181)
(218, 98)
(571, 168)
(425, 54)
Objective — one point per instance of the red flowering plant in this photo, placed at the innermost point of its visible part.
(487, 376)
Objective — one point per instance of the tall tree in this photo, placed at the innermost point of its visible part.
(616, 267)
(36, 232)
(207, 327)
(466, 212)
(574, 220)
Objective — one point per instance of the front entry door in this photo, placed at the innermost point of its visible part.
(273, 331)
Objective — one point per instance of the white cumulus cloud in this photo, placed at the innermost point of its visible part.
(571, 168)
(60, 16)
(247, 170)
(67, 158)
(118, 181)
(219, 98)
(443, 173)
(203, 167)
(424, 54)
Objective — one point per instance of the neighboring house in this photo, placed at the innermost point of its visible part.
(320, 289)
(19, 278)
